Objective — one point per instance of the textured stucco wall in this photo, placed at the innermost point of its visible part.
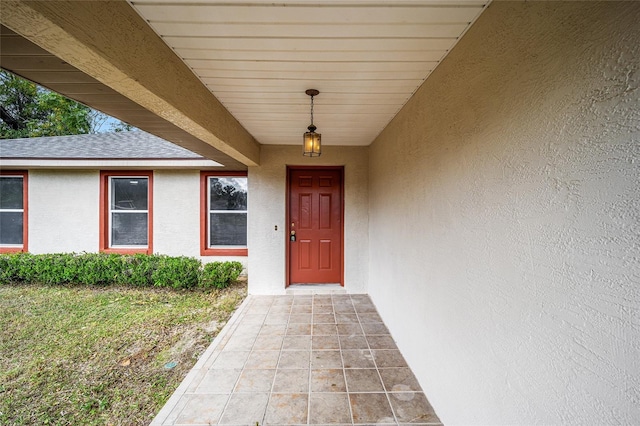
(267, 208)
(505, 219)
(63, 211)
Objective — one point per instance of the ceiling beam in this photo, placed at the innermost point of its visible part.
(110, 42)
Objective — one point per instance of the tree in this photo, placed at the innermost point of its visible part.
(28, 110)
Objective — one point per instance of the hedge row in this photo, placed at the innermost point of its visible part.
(139, 270)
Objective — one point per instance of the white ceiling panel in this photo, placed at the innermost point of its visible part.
(319, 43)
(366, 58)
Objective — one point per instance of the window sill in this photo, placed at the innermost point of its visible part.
(126, 251)
(224, 252)
(4, 250)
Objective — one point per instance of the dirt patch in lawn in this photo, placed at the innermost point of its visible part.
(96, 356)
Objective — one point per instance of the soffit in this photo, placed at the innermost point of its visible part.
(366, 58)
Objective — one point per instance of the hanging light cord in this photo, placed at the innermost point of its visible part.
(312, 110)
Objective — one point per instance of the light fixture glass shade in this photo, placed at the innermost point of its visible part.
(311, 145)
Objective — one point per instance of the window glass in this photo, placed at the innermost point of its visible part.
(129, 193)
(228, 193)
(129, 229)
(11, 193)
(227, 216)
(129, 211)
(228, 229)
(11, 228)
(11, 210)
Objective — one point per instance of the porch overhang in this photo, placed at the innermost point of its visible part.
(84, 50)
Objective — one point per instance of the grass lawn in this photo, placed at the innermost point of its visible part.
(78, 355)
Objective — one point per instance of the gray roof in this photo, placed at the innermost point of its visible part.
(137, 145)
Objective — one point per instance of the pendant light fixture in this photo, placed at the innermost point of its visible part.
(311, 141)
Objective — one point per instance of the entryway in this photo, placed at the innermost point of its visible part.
(316, 225)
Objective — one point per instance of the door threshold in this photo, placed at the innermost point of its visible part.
(301, 289)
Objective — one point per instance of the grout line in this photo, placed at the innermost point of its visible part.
(273, 382)
(310, 360)
(344, 373)
(242, 370)
(373, 358)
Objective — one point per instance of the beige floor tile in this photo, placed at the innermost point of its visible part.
(349, 329)
(287, 409)
(297, 343)
(268, 342)
(283, 300)
(276, 318)
(355, 341)
(202, 409)
(358, 358)
(294, 359)
(298, 329)
(412, 407)
(326, 359)
(399, 380)
(325, 342)
(218, 381)
(230, 359)
(369, 317)
(387, 358)
(374, 328)
(324, 319)
(262, 360)
(301, 309)
(381, 342)
(328, 380)
(322, 309)
(329, 408)
(370, 408)
(324, 330)
(347, 319)
(273, 330)
(280, 309)
(240, 343)
(344, 309)
(363, 380)
(291, 381)
(245, 409)
(299, 319)
(255, 381)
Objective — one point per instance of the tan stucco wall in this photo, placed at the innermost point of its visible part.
(267, 208)
(505, 219)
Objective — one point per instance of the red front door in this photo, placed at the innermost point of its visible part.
(315, 226)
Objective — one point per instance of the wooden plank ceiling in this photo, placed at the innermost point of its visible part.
(257, 57)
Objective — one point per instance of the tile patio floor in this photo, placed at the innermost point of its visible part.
(301, 360)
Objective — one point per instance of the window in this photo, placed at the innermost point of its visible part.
(13, 211)
(126, 212)
(224, 214)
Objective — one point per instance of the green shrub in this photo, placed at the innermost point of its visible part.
(57, 268)
(11, 268)
(102, 269)
(176, 272)
(220, 274)
(99, 269)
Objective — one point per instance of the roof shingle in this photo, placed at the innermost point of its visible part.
(122, 145)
